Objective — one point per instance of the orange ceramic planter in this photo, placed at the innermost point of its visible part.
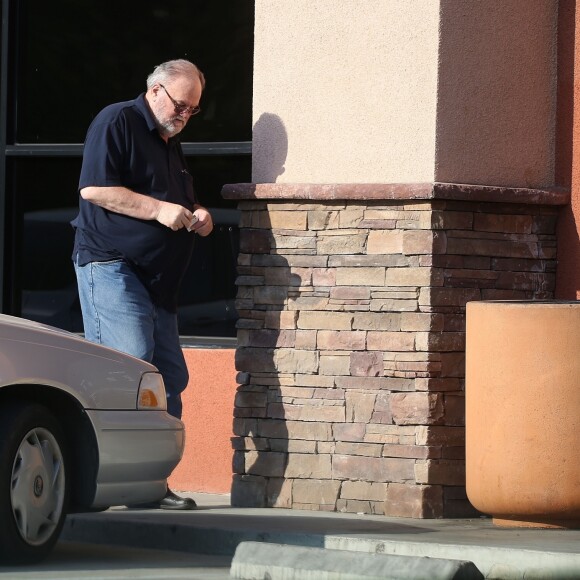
(523, 412)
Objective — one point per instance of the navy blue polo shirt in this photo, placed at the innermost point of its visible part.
(123, 148)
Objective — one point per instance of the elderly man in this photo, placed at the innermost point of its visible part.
(136, 226)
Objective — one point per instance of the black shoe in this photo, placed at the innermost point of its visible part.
(171, 501)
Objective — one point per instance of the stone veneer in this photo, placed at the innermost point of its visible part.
(351, 337)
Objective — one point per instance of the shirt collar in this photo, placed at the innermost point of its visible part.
(143, 108)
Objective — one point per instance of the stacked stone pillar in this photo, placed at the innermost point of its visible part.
(351, 339)
(360, 246)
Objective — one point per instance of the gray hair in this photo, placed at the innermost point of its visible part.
(167, 71)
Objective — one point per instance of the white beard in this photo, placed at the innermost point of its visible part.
(170, 128)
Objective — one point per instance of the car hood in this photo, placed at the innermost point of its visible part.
(13, 321)
(99, 377)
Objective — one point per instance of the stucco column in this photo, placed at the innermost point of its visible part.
(405, 91)
(403, 164)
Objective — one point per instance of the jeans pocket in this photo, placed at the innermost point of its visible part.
(107, 262)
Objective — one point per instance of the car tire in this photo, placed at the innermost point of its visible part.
(33, 482)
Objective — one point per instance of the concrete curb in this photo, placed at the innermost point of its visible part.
(172, 536)
(497, 553)
(255, 560)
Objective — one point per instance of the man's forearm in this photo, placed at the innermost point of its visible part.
(124, 201)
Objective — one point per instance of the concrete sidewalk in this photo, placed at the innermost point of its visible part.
(217, 528)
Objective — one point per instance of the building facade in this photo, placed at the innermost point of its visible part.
(371, 165)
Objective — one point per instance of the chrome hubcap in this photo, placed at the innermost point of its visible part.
(37, 486)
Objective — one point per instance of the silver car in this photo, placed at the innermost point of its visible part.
(82, 427)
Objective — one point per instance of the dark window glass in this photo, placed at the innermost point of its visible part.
(72, 59)
(77, 56)
(45, 203)
(206, 303)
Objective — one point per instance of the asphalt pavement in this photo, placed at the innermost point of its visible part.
(74, 560)
(216, 528)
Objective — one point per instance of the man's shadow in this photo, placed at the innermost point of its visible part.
(269, 149)
(264, 287)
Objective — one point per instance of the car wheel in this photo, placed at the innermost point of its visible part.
(33, 482)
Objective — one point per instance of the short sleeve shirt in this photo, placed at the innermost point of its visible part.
(123, 148)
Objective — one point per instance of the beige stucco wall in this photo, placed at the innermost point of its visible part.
(404, 91)
(496, 104)
(345, 91)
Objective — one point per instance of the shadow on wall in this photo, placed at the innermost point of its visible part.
(568, 235)
(269, 149)
(567, 161)
(266, 338)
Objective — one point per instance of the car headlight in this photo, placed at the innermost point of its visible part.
(151, 396)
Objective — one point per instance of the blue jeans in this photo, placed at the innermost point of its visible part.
(118, 312)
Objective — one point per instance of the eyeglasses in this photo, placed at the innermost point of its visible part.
(179, 108)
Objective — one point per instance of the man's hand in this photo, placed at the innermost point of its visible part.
(204, 224)
(174, 216)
